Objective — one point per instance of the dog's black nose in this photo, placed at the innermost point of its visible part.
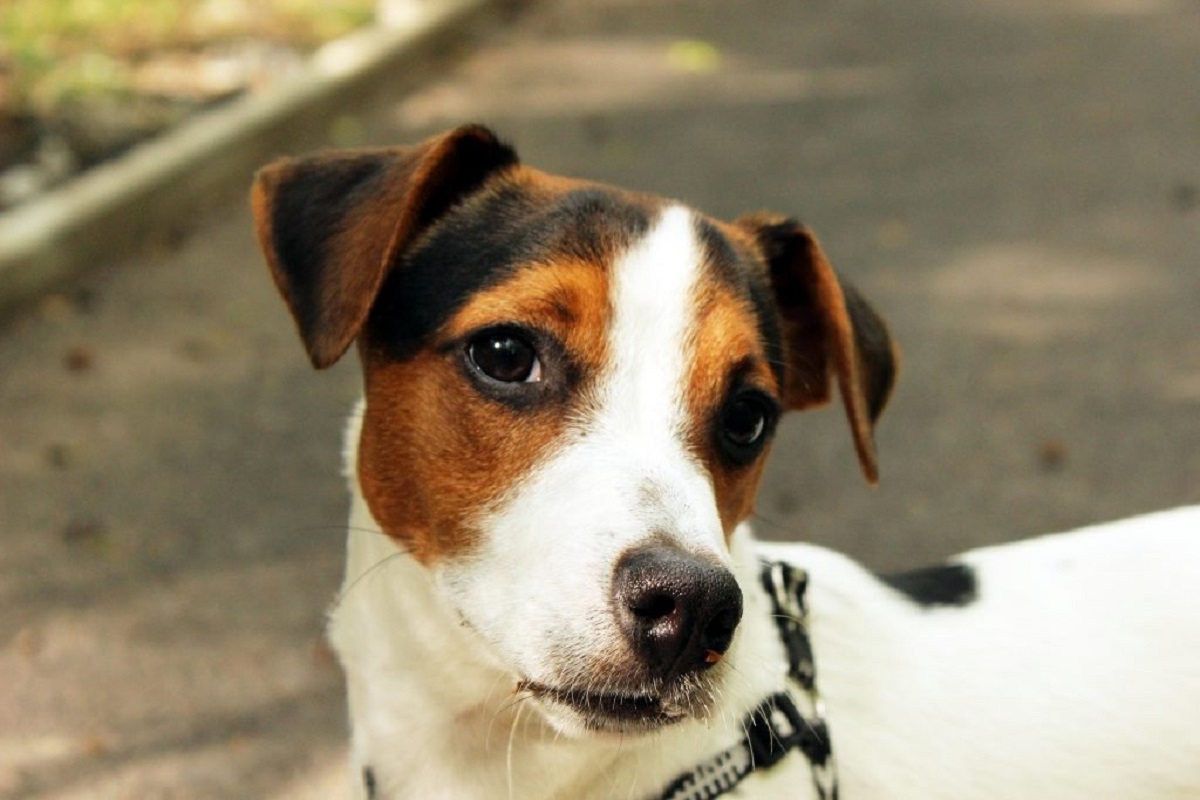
(678, 611)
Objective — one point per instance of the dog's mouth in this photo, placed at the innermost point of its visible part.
(609, 711)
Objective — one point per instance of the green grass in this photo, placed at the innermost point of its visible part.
(57, 51)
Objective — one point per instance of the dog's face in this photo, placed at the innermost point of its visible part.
(570, 393)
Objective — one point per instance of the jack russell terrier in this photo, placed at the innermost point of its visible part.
(552, 589)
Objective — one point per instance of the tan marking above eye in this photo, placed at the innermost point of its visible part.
(568, 300)
(435, 453)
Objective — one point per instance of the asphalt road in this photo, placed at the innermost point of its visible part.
(1017, 189)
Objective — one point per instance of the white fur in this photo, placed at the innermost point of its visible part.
(1074, 676)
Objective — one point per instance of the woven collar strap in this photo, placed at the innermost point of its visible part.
(786, 586)
(773, 730)
(776, 726)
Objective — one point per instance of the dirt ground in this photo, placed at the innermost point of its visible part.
(1015, 188)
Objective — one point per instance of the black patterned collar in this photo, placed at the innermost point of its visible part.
(777, 725)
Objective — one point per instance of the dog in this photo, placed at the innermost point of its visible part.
(552, 590)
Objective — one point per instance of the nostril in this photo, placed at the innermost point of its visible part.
(651, 606)
(718, 634)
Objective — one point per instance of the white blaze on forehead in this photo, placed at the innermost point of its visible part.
(653, 319)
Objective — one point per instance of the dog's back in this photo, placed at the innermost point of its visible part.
(1062, 667)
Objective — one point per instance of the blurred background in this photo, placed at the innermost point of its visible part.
(82, 81)
(1014, 184)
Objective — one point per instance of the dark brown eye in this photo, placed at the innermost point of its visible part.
(743, 426)
(745, 421)
(505, 357)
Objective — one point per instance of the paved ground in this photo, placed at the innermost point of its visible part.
(1017, 189)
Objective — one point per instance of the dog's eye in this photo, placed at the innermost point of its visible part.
(744, 424)
(744, 421)
(505, 357)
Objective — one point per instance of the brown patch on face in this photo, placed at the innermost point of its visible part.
(726, 351)
(436, 450)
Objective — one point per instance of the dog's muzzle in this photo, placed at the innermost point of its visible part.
(677, 614)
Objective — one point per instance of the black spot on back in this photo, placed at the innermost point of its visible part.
(941, 585)
(484, 241)
(369, 782)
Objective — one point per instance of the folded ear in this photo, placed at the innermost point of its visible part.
(828, 327)
(333, 224)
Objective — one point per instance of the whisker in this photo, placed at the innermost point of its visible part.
(501, 708)
(337, 526)
(774, 523)
(515, 702)
(508, 758)
(360, 529)
(341, 596)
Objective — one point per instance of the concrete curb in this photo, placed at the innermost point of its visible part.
(117, 206)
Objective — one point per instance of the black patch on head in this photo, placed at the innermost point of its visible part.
(591, 223)
(484, 241)
(940, 585)
(720, 253)
(768, 326)
(314, 202)
(729, 263)
(476, 158)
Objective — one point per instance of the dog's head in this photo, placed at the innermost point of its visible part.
(570, 393)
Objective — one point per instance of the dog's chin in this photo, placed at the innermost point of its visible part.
(575, 711)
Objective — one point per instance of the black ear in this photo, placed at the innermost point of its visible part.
(828, 327)
(333, 224)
